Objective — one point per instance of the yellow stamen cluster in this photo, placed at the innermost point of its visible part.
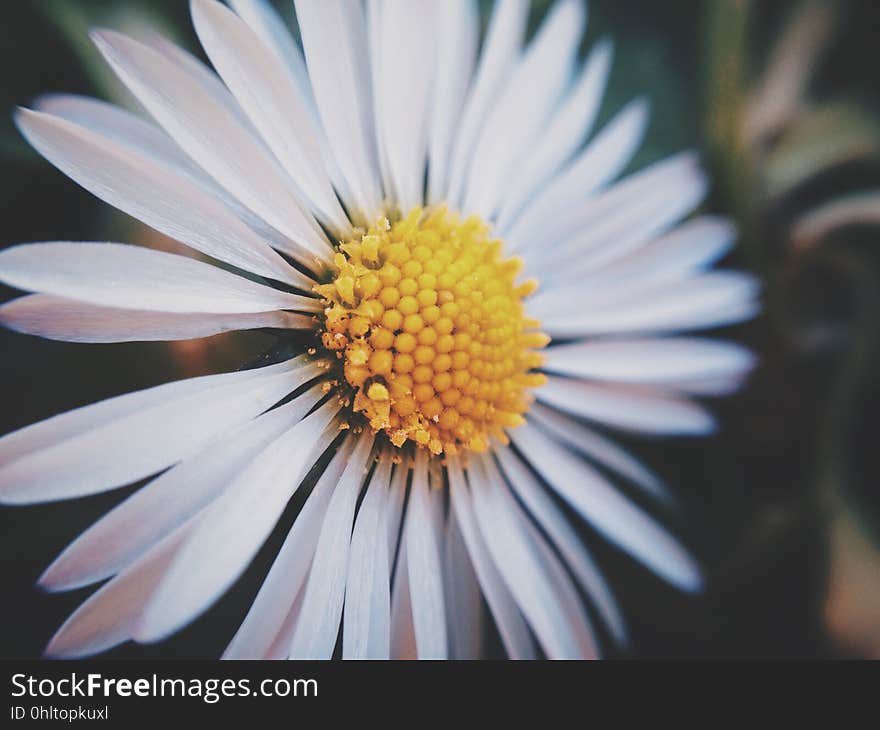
(428, 322)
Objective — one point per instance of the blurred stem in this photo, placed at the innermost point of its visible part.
(726, 99)
(73, 24)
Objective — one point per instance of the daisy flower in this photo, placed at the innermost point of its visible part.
(428, 222)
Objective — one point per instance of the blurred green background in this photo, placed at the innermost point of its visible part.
(783, 506)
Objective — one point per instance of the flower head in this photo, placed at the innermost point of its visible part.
(473, 293)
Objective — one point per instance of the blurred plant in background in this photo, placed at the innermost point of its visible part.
(801, 170)
(786, 501)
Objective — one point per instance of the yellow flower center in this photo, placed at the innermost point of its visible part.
(427, 320)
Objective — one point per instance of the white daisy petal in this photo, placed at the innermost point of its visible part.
(280, 647)
(654, 361)
(458, 29)
(273, 31)
(691, 247)
(119, 441)
(424, 567)
(213, 137)
(504, 38)
(234, 527)
(464, 604)
(627, 407)
(131, 277)
(208, 81)
(122, 126)
(524, 105)
(570, 546)
(600, 162)
(71, 423)
(271, 618)
(375, 12)
(144, 139)
(673, 257)
(318, 626)
(108, 616)
(520, 563)
(56, 318)
(564, 136)
(341, 84)
(406, 67)
(154, 511)
(570, 599)
(511, 626)
(620, 234)
(403, 632)
(600, 504)
(153, 193)
(709, 300)
(273, 103)
(717, 386)
(564, 587)
(366, 631)
(598, 449)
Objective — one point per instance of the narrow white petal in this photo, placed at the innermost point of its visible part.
(464, 604)
(121, 126)
(571, 547)
(109, 615)
(631, 408)
(234, 527)
(272, 101)
(600, 162)
(407, 71)
(424, 566)
(280, 646)
(564, 136)
(154, 511)
(713, 386)
(275, 33)
(600, 504)
(500, 50)
(157, 194)
(511, 625)
(520, 113)
(458, 31)
(366, 627)
(132, 277)
(624, 231)
(199, 72)
(709, 300)
(395, 507)
(57, 318)
(318, 626)
(689, 249)
(145, 139)
(403, 632)
(213, 136)
(341, 84)
(72, 423)
(375, 47)
(598, 449)
(136, 442)
(692, 246)
(270, 621)
(520, 563)
(653, 361)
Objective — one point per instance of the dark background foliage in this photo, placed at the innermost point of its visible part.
(781, 506)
